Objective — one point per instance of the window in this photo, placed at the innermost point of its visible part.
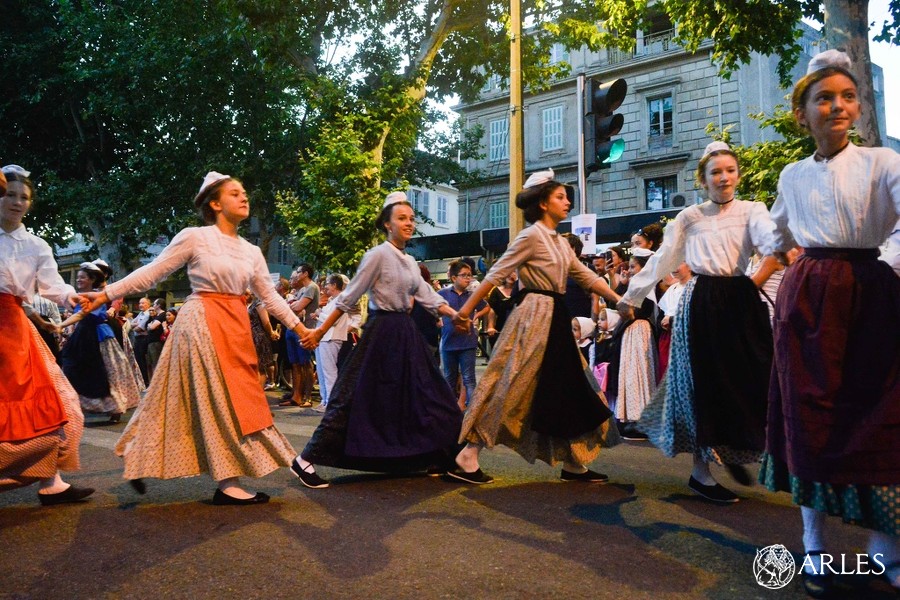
(499, 139)
(497, 216)
(415, 198)
(551, 119)
(492, 84)
(423, 206)
(660, 123)
(659, 190)
(441, 210)
(285, 252)
(660, 110)
(558, 54)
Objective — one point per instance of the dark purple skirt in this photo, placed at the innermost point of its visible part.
(391, 409)
(834, 399)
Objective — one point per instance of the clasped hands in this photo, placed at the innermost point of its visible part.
(462, 323)
(91, 300)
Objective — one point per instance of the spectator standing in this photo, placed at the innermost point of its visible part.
(457, 348)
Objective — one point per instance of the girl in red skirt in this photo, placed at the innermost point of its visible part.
(833, 436)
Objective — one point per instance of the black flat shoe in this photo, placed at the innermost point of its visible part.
(114, 419)
(310, 479)
(715, 492)
(67, 496)
(477, 477)
(817, 586)
(220, 498)
(138, 485)
(586, 477)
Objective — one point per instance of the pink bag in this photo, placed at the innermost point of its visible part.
(600, 374)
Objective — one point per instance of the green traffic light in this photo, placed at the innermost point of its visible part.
(616, 150)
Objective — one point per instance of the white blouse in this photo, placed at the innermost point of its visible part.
(850, 201)
(712, 239)
(216, 263)
(543, 259)
(26, 264)
(392, 279)
(338, 331)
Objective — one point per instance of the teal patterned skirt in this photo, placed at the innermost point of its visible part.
(871, 506)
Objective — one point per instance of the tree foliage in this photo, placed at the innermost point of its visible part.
(320, 106)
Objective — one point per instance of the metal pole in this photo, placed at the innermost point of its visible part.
(516, 119)
(579, 103)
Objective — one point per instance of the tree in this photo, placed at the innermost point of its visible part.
(769, 27)
(124, 106)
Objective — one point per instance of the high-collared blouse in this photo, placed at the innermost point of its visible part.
(26, 264)
(392, 279)
(712, 239)
(215, 263)
(543, 259)
(849, 201)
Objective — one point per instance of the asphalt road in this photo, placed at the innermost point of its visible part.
(528, 535)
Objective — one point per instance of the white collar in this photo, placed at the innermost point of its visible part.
(19, 233)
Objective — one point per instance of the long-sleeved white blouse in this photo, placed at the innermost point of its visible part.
(392, 279)
(712, 239)
(543, 259)
(26, 264)
(850, 201)
(216, 263)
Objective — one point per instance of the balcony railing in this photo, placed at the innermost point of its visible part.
(657, 43)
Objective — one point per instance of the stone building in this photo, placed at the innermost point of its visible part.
(672, 97)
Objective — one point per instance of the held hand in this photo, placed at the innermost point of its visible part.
(491, 331)
(626, 311)
(274, 335)
(310, 338)
(665, 322)
(93, 300)
(461, 322)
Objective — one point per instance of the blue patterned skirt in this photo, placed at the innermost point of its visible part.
(670, 420)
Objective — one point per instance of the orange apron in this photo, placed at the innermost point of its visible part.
(30, 406)
(229, 327)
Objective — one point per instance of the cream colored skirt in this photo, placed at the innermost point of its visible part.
(637, 371)
(185, 424)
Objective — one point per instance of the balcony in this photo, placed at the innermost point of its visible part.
(648, 45)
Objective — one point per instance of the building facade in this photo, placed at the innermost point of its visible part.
(673, 96)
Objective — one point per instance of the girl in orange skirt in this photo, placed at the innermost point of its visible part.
(205, 410)
(40, 419)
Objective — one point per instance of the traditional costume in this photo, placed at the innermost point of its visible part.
(40, 420)
(834, 403)
(535, 396)
(205, 410)
(712, 402)
(390, 409)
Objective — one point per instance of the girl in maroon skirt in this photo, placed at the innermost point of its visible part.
(833, 436)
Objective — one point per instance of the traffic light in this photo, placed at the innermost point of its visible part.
(600, 124)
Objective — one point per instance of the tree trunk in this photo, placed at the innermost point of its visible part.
(847, 29)
(108, 249)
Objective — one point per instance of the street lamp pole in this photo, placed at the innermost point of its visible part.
(516, 118)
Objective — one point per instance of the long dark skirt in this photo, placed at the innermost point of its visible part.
(834, 403)
(391, 409)
(82, 362)
(731, 359)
